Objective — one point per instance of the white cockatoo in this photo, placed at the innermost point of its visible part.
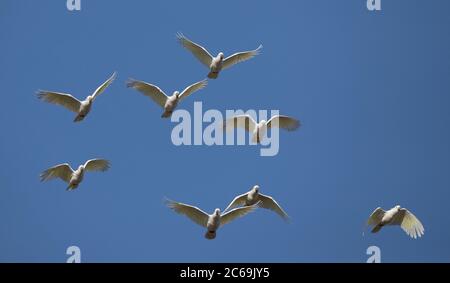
(218, 63)
(259, 129)
(168, 103)
(74, 177)
(211, 222)
(254, 196)
(82, 108)
(396, 216)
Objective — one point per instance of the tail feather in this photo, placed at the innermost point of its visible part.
(79, 118)
(377, 228)
(210, 235)
(213, 75)
(166, 114)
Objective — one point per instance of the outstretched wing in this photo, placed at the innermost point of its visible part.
(409, 223)
(376, 216)
(229, 216)
(97, 165)
(102, 88)
(284, 122)
(194, 213)
(193, 88)
(62, 171)
(62, 99)
(241, 121)
(199, 51)
(268, 202)
(237, 201)
(152, 91)
(240, 57)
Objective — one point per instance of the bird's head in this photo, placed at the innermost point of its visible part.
(81, 167)
(397, 207)
(176, 94)
(221, 56)
(217, 212)
(256, 188)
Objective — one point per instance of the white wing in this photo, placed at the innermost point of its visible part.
(284, 122)
(193, 88)
(409, 223)
(240, 57)
(237, 201)
(194, 213)
(268, 202)
(152, 91)
(199, 51)
(376, 216)
(97, 165)
(63, 99)
(241, 121)
(229, 216)
(102, 88)
(63, 171)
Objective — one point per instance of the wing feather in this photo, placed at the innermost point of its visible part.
(241, 121)
(97, 165)
(62, 99)
(197, 50)
(269, 202)
(229, 216)
(409, 223)
(103, 86)
(284, 122)
(240, 57)
(193, 88)
(237, 201)
(152, 91)
(194, 213)
(376, 216)
(62, 171)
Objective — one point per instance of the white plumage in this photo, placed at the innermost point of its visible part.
(259, 129)
(218, 63)
(74, 177)
(396, 216)
(168, 103)
(254, 196)
(81, 108)
(213, 221)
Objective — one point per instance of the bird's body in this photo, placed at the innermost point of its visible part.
(396, 216)
(212, 222)
(218, 63)
(212, 225)
(85, 108)
(259, 130)
(81, 108)
(216, 66)
(77, 178)
(168, 103)
(253, 197)
(74, 177)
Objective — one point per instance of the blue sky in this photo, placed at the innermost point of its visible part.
(371, 89)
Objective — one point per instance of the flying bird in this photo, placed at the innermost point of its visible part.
(168, 103)
(396, 216)
(218, 63)
(211, 222)
(254, 196)
(74, 177)
(82, 108)
(258, 130)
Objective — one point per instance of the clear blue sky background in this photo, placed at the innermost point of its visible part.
(371, 88)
